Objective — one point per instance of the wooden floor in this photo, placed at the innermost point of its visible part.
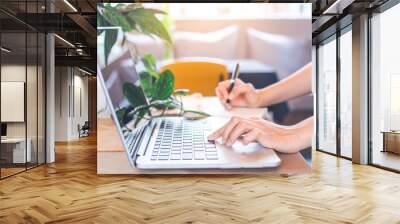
(10, 171)
(70, 191)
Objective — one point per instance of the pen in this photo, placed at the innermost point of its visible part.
(235, 75)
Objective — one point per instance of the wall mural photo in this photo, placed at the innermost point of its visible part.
(181, 93)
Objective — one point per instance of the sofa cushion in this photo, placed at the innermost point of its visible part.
(146, 44)
(283, 53)
(218, 44)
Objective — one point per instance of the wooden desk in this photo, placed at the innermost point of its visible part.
(112, 159)
(391, 141)
(17, 153)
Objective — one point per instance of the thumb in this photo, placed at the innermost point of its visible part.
(238, 90)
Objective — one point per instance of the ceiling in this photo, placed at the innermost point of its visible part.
(75, 22)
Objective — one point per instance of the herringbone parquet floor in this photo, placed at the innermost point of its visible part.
(70, 191)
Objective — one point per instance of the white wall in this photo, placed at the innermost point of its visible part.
(62, 81)
(79, 115)
(71, 94)
(12, 73)
(33, 126)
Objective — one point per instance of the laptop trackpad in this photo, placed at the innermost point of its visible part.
(241, 148)
(252, 155)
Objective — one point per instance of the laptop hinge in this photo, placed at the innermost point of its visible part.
(145, 137)
(137, 143)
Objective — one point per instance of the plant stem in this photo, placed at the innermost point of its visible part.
(197, 112)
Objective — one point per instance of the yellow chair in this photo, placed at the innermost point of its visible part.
(197, 76)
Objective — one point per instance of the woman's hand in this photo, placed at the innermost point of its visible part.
(242, 95)
(281, 138)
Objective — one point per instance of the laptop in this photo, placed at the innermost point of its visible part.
(3, 131)
(176, 142)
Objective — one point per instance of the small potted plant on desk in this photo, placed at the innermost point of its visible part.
(156, 93)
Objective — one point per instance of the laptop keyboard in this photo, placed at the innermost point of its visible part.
(179, 139)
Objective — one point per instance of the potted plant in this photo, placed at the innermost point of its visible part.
(156, 90)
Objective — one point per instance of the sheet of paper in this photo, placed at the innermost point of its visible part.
(212, 105)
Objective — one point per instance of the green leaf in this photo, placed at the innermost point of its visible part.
(134, 94)
(140, 116)
(132, 17)
(164, 104)
(154, 11)
(101, 21)
(146, 22)
(195, 115)
(117, 19)
(109, 41)
(120, 115)
(181, 92)
(146, 81)
(149, 62)
(129, 7)
(164, 85)
(124, 116)
(120, 6)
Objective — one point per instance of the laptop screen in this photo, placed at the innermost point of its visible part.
(3, 129)
(115, 76)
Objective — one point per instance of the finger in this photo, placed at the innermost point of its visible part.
(216, 134)
(224, 93)
(251, 136)
(238, 90)
(228, 106)
(239, 130)
(238, 82)
(262, 124)
(219, 95)
(222, 99)
(227, 84)
(223, 89)
(229, 127)
(256, 135)
(257, 124)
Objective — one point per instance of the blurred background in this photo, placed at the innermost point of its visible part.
(270, 41)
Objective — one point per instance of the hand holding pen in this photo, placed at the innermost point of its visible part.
(236, 93)
(234, 77)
